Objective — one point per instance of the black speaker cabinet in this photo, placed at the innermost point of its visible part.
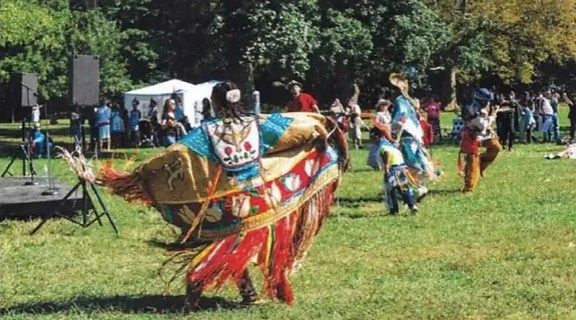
(85, 80)
(24, 89)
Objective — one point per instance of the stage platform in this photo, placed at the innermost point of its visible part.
(19, 201)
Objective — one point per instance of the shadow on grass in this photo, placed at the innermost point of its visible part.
(443, 192)
(361, 169)
(357, 202)
(150, 304)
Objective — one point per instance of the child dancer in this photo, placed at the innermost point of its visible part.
(396, 175)
(396, 178)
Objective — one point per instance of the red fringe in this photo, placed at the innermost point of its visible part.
(290, 236)
(207, 271)
(122, 183)
(245, 250)
(278, 284)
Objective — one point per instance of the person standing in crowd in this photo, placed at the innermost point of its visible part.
(179, 109)
(547, 115)
(515, 105)
(505, 119)
(76, 126)
(432, 108)
(301, 102)
(153, 111)
(383, 118)
(554, 102)
(153, 116)
(103, 115)
(382, 130)
(116, 126)
(340, 114)
(354, 112)
(527, 121)
(92, 115)
(537, 112)
(207, 113)
(571, 115)
(126, 121)
(134, 121)
(478, 117)
(427, 130)
(171, 129)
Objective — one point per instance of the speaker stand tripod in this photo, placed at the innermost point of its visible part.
(26, 162)
(87, 208)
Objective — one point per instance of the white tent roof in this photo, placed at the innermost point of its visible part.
(206, 87)
(163, 88)
(190, 94)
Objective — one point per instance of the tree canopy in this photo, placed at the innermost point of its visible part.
(326, 44)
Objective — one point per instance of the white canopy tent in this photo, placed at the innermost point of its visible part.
(191, 96)
(201, 91)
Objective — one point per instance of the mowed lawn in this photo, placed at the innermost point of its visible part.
(506, 251)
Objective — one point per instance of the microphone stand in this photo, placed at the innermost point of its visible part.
(27, 157)
(51, 190)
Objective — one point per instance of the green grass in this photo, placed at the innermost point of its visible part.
(506, 251)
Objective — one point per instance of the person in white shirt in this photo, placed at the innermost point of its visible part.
(354, 113)
(547, 114)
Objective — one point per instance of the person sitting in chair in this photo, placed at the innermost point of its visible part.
(38, 142)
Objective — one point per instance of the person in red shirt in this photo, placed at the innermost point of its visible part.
(301, 102)
(432, 107)
(428, 136)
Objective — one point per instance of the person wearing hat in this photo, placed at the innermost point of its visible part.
(383, 118)
(301, 102)
(478, 117)
(381, 130)
(341, 115)
(408, 130)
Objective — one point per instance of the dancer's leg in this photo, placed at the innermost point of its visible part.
(246, 289)
(392, 200)
(493, 147)
(471, 172)
(193, 294)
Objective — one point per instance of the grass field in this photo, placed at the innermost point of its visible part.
(506, 251)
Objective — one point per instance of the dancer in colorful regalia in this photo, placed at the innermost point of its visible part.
(478, 117)
(242, 189)
(406, 127)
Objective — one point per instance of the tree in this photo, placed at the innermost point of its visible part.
(32, 40)
(405, 35)
(508, 38)
(92, 33)
(41, 37)
(270, 37)
(342, 58)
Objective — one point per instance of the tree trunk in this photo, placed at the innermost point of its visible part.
(451, 103)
